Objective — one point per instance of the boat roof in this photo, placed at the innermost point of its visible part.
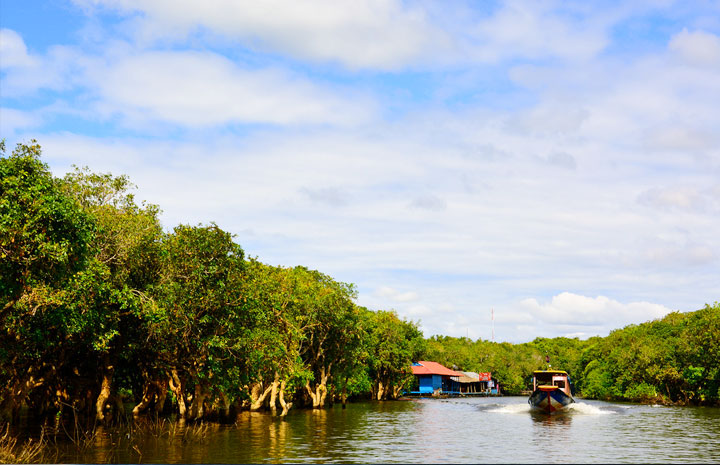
(553, 372)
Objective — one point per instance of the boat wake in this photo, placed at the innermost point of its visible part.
(512, 408)
(577, 408)
(587, 409)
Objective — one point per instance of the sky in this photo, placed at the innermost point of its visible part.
(556, 164)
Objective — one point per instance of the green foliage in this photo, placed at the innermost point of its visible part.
(199, 291)
(44, 235)
(597, 382)
(45, 239)
(93, 291)
(674, 359)
(642, 392)
(392, 344)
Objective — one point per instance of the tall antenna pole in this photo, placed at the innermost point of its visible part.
(492, 313)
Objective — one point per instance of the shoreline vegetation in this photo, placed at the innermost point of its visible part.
(669, 361)
(101, 306)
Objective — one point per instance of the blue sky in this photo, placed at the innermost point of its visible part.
(558, 162)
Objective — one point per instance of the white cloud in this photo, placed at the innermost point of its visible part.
(584, 171)
(406, 297)
(674, 138)
(537, 29)
(381, 34)
(59, 69)
(13, 51)
(192, 89)
(578, 311)
(698, 48)
(125, 156)
(669, 250)
(429, 202)
(331, 196)
(532, 227)
(12, 120)
(550, 117)
(398, 296)
(419, 312)
(562, 159)
(682, 197)
(202, 89)
(386, 35)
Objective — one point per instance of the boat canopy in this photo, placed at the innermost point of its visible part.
(553, 378)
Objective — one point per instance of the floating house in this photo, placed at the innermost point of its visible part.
(494, 387)
(436, 379)
(478, 383)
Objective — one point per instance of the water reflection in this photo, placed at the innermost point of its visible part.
(454, 430)
(278, 434)
(316, 430)
(558, 419)
(102, 445)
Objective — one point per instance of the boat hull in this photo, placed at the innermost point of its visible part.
(549, 400)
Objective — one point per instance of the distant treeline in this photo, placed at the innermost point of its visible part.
(675, 359)
(99, 306)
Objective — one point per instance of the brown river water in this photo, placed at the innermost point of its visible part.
(462, 430)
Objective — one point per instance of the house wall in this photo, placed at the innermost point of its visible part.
(437, 382)
(426, 384)
(448, 385)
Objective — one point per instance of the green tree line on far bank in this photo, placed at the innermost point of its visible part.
(675, 359)
(99, 306)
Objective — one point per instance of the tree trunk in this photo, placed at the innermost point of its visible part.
(147, 397)
(257, 396)
(225, 405)
(285, 405)
(197, 409)
(311, 393)
(343, 394)
(119, 407)
(255, 392)
(320, 394)
(273, 394)
(162, 390)
(154, 394)
(18, 393)
(105, 389)
(11, 401)
(380, 390)
(177, 387)
(397, 390)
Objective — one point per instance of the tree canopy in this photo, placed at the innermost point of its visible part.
(100, 305)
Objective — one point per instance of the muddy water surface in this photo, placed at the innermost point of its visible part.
(479, 430)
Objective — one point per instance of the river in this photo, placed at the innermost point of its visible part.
(462, 430)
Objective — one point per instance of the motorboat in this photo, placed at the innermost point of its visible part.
(552, 391)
